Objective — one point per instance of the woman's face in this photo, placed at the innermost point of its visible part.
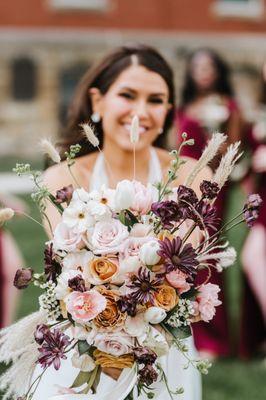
(136, 91)
(203, 71)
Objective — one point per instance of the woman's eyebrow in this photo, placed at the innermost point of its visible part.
(135, 91)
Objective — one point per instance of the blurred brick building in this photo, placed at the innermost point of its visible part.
(46, 45)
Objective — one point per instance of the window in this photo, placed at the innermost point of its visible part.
(79, 5)
(68, 81)
(253, 9)
(23, 79)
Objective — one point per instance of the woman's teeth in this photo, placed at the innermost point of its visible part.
(142, 129)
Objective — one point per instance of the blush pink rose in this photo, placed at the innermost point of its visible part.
(143, 198)
(177, 279)
(208, 300)
(108, 236)
(84, 306)
(66, 239)
(117, 343)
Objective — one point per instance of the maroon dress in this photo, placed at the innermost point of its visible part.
(253, 330)
(213, 336)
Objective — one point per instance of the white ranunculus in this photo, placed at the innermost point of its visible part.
(77, 216)
(77, 260)
(124, 195)
(148, 253)
(154, 315)
(62, 289)
(84, 362)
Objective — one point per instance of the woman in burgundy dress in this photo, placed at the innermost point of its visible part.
(253, 329)
(207, 105)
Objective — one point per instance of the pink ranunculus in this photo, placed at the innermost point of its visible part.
(107, 236)
(116, 343)
(143, 198)
(177, 279)
(84, 306)
(66, 239)
(208, 300)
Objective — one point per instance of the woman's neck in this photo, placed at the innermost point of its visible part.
(120, 163)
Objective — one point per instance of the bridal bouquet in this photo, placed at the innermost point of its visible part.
(121, 278)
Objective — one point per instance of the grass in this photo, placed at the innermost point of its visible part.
(228, 379)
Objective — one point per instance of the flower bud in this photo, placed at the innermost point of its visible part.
(149, 253)
(124, 195)
(40, 332)
(154, 315)
(23, 278)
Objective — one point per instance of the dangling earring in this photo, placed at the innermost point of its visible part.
(95, 117)
(160, 131)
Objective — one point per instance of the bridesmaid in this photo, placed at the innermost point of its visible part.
(207, 105)
(253, 329)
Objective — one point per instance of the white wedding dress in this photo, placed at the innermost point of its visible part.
(108, 389)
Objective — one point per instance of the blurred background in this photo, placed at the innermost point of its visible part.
(47, 45)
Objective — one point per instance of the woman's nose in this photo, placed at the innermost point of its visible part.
(141, 109)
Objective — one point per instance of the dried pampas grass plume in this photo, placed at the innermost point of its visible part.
(49, 149)
(227, 163)
(208, 154)
(90, 135)
(6, 214)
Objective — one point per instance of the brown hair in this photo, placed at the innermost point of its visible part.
(102, 76)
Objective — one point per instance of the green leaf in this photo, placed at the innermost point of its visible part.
(191, 294)
(127, 218)
(178, 333)
(92, 377)
(82, 378)
(83, 347)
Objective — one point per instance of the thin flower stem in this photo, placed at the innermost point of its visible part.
(189, 232)
(166, 384)
(107, 165)
(28, 216)
(39, 377)
(134, 161)
(73, 176)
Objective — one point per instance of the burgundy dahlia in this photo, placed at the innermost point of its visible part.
(64, 195)
(144, 355)
(23, 278)
(178, 257)
(52, 267)
(147, 375)
(186, 195)
(205, 216)
(53, 349)
(143, 286)
(77, 284)
(251, 208)
(209, 189)
(128, 305)
(167, 211)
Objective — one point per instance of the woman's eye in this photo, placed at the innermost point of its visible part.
(126, 95)
(156, 100)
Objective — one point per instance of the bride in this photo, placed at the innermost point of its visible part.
(129, 81)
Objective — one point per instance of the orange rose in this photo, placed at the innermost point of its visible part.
(102, 270)
(107, 360)
(166, 297)
(111, 317)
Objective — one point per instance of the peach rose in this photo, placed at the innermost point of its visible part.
(166, 297)
(108, 361)
(84, 306)
(111, 318)
(101, 270)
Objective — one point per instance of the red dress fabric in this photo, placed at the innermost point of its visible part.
(253, 330)
(212, 336)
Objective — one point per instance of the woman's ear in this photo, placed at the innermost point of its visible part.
(96, 100)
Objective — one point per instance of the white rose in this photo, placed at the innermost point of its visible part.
(154, 315)
(124, 195)
(77, 260)
(84, 362)
(117, 343)
(136, 326)
(66, 239)
(148, 253)
(107, 236)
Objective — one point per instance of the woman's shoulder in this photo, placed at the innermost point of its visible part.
(59, 175)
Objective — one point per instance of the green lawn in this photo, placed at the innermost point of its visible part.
(229, 379)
